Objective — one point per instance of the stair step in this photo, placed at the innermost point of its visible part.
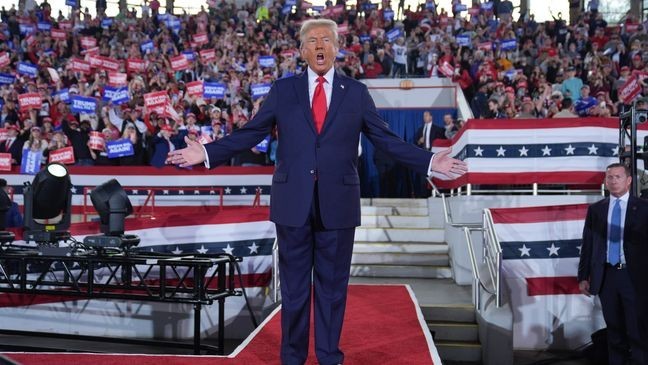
(400, 221)
(401, 271)
(397, 258)
(400, 234)
(462, 313)
(368, 210)
(453, 331)
(459, 350)
(400, 247)
(386, 202)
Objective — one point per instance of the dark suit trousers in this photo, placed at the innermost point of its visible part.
(620, 312)
(308, 255)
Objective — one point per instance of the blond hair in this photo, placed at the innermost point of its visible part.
(308, 25)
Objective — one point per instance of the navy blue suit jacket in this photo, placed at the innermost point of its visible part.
(331, 157)
(635, 244)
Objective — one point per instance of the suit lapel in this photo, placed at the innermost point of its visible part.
(337, 95)
(301, 89)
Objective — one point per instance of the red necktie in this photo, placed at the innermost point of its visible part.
(319, 104)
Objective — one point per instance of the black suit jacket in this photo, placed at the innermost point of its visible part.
(15, 149)
(436, 133)
(635, 246)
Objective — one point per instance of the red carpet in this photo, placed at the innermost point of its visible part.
(383, 325)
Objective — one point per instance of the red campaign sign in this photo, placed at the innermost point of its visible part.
(179, 63)
(200, 38)
(58, 34)
(195, 88)
(334, 11)
(156, 99)
(193, 45)
(117, 79)
(91, 51)
(96, 141)
(109, 64)
(94, 60)
(343, 29)
(63, 155)
(135, 65)
(29, 101)
(66, 24)
(78, 65)
(447, 69)
(204, 138)
(632, 28)
(5, 161)
(30, 39)
(3, 134)
(629, 90)
(88, 42)
(4, 59)
(486, 46)
(208, 55)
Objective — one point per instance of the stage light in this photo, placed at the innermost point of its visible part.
(5, 205)
(113, 206)
(48, 202)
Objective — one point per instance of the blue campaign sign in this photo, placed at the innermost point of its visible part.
(189, 55)
(430, 5)
(146, 46)
(213, 90)
(365, 38)
(259, 90)
(29, 69)
(508, 44)
(291, 2)
(463, 40)
(393, 34)
(72, 3)
(116, 95)
(369, 6)
(286, 9)
(341, 54)
(163, 17)
(461, 7)
(119, 148)
(173, 23)
(106, 23)
(45, 27)
(83, 104)
(492, 24)
(7, 79)
(388, 14)
(263, 145)
(487, 6)
(26, 29)
(318, 8)
(31, 162)
(266, 61)
(63, 95)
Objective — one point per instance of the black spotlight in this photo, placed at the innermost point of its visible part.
(48, 202)
(5, 205)
(111, 202)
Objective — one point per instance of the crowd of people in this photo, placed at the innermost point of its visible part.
(507, 68)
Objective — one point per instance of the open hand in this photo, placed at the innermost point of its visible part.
(450, 167)
(191, 155)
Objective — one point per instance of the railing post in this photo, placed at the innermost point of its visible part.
(469, 189)
(535, 189)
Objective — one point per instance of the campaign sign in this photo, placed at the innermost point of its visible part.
(508, 45)
(156, 99)
(208, 55)
(179, 63)
(163, 17)
(135, 65)
(119, 148)
(266, 61)
(388, 14)
(259, 90)
(4, 59)
(195, 88)
(58, 34)
(5, 161)
(45, 27)
(63, 95)
(117, 78)
(91, 51)
(446, 69)
(106, 23)
(31, 162)
(109, 64)
(146, 46)
(116, 95)
(341, 54)
(72, 3)
(343, 29)
(393, 34)
(629, 90)
(487, 6)
(461, 7)
(94, 60)
(83, 104)
(3, 134)
(214, 90)
(430, 5)
(263, 145)
(26, 29)
(365, 38)
(96, 141)
(190, 55)
(291, 2)
(26, 68)
(486, 46)
(200, 38)
(29, 101)
(285, 10)
(63, 155)
(463, 40)
(7, 79)
(318, 8)
(88, 42)
(81, 66)
(174, 24)
(65, 24)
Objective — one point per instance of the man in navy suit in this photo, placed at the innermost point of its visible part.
(613, 265)
(315, 200)
(13, 144)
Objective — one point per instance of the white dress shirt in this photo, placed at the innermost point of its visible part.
(624, 208)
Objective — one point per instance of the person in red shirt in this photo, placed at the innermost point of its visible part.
(372, 69)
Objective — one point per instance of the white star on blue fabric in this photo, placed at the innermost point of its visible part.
(243, 190)
(479, 151)
(569, 150)
(177, 251)
(546, 151)
(615, 151)
(524, 151)
(229, 249)
(553, 250)
(524, 251)
(228, 190)
(593, 150)
(501, 151)
(254, 248)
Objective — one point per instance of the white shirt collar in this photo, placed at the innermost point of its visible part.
(312, 76)
(624, 198)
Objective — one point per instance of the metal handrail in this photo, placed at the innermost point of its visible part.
(492, 254)
(478, 284)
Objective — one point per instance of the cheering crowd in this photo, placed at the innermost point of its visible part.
(127, 90)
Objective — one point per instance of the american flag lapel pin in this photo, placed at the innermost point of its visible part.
(342, 86)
